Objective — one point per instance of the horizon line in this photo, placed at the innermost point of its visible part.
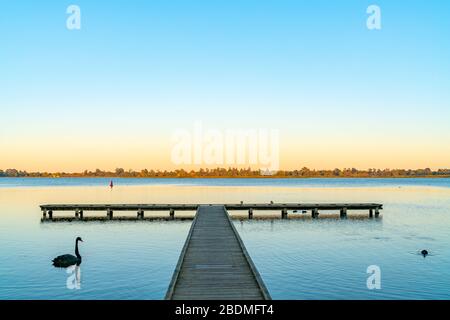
(234, 172)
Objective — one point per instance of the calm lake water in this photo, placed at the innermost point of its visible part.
(297, 258)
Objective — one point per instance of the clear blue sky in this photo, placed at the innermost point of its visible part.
(139, 69)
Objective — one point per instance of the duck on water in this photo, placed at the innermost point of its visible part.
(67, 260)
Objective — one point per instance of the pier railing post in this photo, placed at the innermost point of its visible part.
(370, 213)
(50, 214)
(343, 213)
(44, 214)
(377, 212)
(172, 214)
(109, 214)
(140, 214)
(284, 213)
(79, 214)
(315, 213)
(250, 213)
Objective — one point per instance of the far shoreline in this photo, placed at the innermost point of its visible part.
(237, 177)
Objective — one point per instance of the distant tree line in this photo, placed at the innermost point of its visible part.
(237, 173)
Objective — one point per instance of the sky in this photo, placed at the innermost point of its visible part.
(113, 93)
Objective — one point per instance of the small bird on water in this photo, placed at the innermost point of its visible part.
(67, 260)
(424, 253)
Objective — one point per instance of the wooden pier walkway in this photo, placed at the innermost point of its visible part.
(214, 263)
(314, 208)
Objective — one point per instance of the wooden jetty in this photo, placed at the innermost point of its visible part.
(214, 263)
(48, 210)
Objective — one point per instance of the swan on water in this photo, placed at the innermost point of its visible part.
(67, 260)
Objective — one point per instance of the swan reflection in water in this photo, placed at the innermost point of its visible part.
(74, 280)
(72, 265)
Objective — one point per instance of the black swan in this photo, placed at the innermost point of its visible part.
(67, 260)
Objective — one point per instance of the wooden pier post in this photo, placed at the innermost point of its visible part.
(377, 213)
(284, 213)
(79, 214)
(370, 213)
(140, 214)
(44, 214)
(172, 214)
(109, 214)
(343, 213)
(250, 213)
(50, 214)
(315, 213)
